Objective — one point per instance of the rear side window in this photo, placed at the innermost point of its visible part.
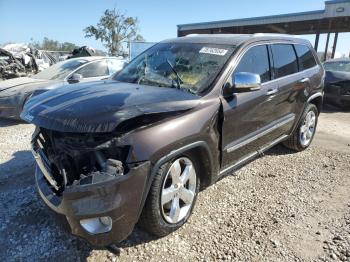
(305, 56)
(285, 60)
(256, 61)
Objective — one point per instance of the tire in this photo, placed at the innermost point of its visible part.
(296, 140)
(159, 219)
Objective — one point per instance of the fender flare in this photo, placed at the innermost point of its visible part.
(310, 98)
(317, 94)
(167, 158)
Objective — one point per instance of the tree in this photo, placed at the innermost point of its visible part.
(53, 45)
(113, 29)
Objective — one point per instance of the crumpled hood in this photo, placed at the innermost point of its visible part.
(101, 106)
(23, 84)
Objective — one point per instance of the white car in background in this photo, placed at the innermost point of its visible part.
(15, 92)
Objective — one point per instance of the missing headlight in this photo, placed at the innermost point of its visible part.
(111, 168)
(79, 159)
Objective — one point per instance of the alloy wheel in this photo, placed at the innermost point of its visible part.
(178, 190)
(307, 130)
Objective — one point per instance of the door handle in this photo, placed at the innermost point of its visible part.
(304, 80)
(271, 92)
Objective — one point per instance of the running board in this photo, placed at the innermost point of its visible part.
(251, 156)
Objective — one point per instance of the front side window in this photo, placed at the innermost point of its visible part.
(285, 60)
(94, 69)
(256, 61)
(305, 56)
(188, 66)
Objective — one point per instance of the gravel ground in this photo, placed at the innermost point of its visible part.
(284, 206)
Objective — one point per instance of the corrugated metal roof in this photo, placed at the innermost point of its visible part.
(331, 10)
(233, 39)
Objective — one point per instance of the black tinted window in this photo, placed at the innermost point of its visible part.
(305, 56)
(94, 69)
(285, 60)
(256, 61)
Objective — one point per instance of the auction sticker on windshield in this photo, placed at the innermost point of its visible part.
(213, 51)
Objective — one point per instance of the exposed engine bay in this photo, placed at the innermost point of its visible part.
(10, 66)
(77, 159)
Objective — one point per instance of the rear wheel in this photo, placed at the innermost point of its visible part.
(171, 198)
(302, 136)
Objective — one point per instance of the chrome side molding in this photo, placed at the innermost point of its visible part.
(259, 135)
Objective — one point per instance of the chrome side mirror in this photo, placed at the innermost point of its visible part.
(246, 82)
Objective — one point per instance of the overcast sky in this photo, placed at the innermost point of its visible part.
(64, 20)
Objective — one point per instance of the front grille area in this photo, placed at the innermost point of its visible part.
(41, 148)
(65, 158)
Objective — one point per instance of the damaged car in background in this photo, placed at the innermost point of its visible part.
(15, 92)
(337, 82)
(19, 60)
(12, 66)
(187, 111)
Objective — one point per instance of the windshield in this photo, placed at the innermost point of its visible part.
(343, 66)
(60, 70)
(188, 66)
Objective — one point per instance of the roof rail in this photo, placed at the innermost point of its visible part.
(191, 34)
(274, 34)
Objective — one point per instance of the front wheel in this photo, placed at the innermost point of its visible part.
(303, 135)
(172, 197)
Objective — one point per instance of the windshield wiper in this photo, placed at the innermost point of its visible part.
(188, 89)
(178, 78)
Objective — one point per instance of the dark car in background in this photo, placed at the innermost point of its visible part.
(15, 92)
(178, 117)
(337, 82)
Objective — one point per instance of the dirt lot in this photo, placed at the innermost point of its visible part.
(284, 206)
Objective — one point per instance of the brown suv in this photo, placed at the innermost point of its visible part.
(187, 111)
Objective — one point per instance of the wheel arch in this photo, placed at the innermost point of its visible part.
(199, 150)
(317, 100)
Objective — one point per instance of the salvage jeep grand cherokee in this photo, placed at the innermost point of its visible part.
(181, 115)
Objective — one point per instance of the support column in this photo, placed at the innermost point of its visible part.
(334, 44)
(326, 49)
(317, 39)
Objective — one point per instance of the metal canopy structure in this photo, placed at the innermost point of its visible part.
(335, 18)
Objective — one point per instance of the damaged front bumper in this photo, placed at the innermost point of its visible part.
(117, 199)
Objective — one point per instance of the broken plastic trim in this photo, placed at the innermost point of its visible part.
(112, 168)
(67, 160)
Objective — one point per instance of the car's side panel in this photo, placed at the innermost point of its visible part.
(159, 139)
(248, 116)
(245, 116)
(254, 119)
